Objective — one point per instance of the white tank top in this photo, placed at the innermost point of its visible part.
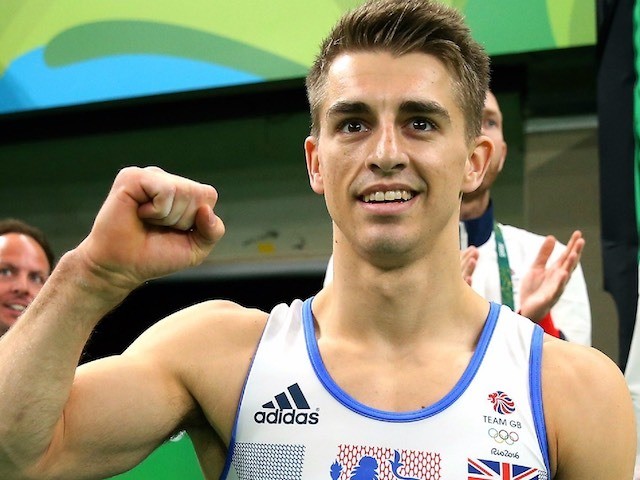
(295, 422)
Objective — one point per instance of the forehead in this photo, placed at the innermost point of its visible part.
(23, 251)
(387, 80)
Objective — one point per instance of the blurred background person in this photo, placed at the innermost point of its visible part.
(632, 375)
(534, 275)
(618, 97)
(618, 128)
(26, 260)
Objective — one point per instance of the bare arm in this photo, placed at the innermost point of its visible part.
(589, 415)
(151, 224)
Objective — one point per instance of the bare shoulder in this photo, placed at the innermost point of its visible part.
(566, 361)
(216, 326)
(588, 413)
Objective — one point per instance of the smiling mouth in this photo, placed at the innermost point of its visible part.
(388, 196)
(16, 307)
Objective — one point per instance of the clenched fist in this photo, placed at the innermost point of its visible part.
(152, 223)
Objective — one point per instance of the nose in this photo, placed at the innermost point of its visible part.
(21, 285)
(387, 156)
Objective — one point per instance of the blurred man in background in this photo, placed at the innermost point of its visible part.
(26, 260)
(532, 274)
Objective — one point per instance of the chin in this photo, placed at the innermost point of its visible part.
(389, 250)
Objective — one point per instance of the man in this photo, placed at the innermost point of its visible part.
(26, 260)
(528, 275)
(397, 370)
(632, 375)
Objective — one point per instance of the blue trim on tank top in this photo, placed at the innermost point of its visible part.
(232, 441)
(535, 385)
(374, 413)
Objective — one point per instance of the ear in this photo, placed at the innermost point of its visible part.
(313, 164)
(477, 163)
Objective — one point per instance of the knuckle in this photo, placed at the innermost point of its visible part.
(153, 168)
(209, 193)
(127, 173)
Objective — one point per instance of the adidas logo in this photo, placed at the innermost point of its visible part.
(290, 407)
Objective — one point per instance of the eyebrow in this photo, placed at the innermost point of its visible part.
(13, 266)
(348, 108)
(487, 112)
(407, 107)
(425, 108)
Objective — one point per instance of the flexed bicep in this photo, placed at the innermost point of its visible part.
(119, 410)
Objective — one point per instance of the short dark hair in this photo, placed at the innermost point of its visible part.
(402, 27)
(13, 225)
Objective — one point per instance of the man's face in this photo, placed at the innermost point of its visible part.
(392, 156)
(23, 270)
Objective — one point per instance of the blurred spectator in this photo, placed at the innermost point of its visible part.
(26, 260)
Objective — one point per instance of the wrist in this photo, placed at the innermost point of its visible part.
(102, 285)
(534, 315)
(546, 322)
(549, 327)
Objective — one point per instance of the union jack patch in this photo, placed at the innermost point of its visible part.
(492, 470)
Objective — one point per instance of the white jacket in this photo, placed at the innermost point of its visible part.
(571, 314)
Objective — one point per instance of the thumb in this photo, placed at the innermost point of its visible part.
(208, 229)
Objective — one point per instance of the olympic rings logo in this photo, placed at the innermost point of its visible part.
(502, 436)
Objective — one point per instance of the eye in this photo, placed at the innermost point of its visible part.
(422, 124)
(352, 126)
(37, 278)
(489, 123)
(5, 272)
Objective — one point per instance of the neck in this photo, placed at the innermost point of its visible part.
(473, 206)
(424, 297)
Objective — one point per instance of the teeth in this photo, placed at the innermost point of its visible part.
(19, 308)
(388, 196)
